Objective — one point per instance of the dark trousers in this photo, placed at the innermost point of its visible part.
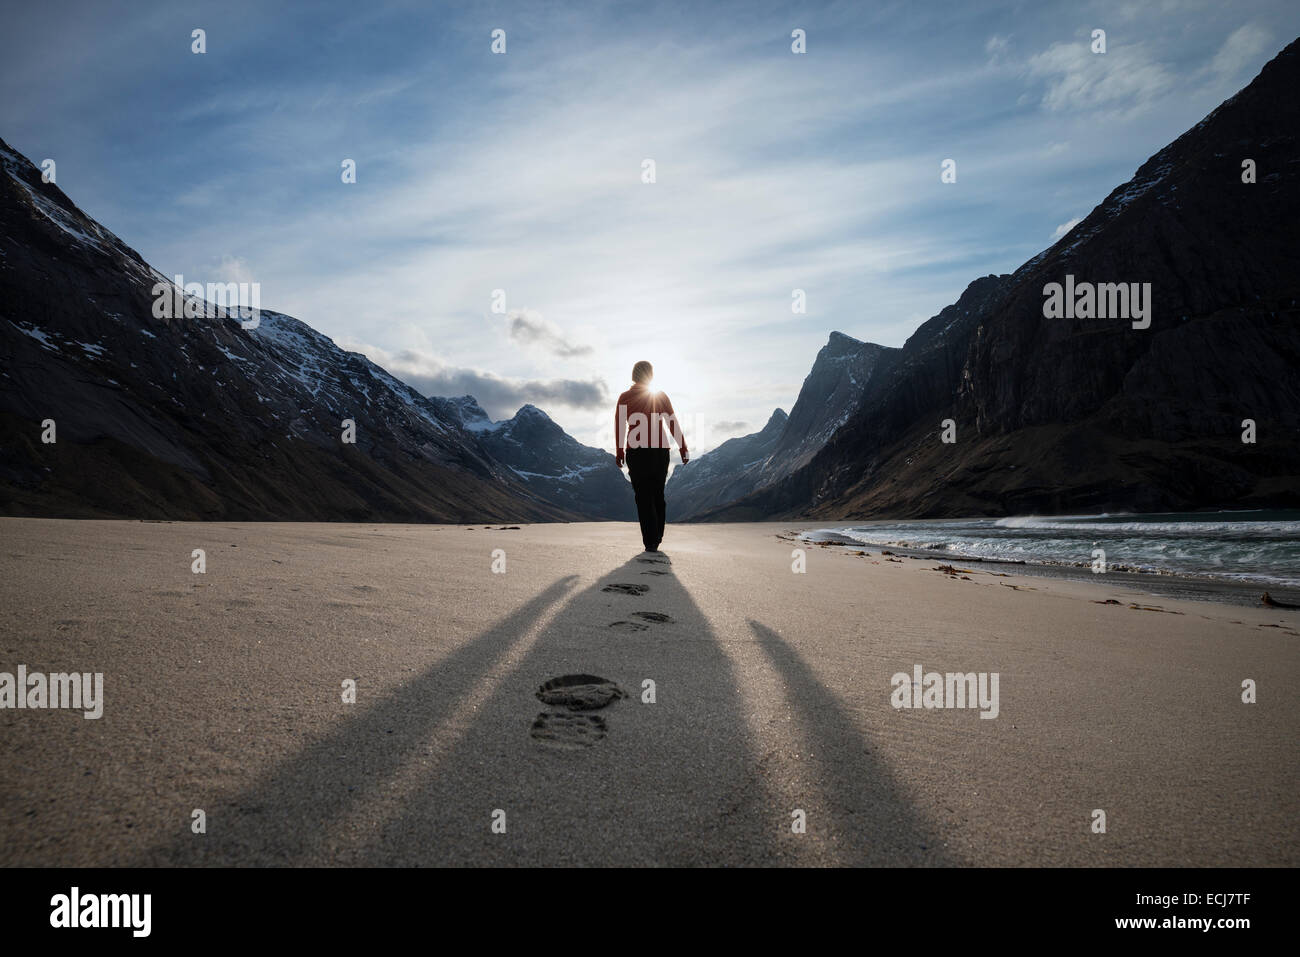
(648, 469)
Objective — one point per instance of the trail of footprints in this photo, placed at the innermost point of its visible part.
(575, 727)
(653, 617)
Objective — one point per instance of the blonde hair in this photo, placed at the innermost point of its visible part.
(643, 372)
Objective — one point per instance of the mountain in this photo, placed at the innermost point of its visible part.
(200, 418)
(550, 463)
(843, 370)
(1058, 415)
(831, 393)
(722, 474)
(468, 413)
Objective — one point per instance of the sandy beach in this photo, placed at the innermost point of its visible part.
(771, 695)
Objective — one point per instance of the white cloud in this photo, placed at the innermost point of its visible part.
(1244, 48)
(1126, 79)
(731, 426)
(996, 48)
(527, 326)
(233, 269)
(1064, 228)
(499, 396)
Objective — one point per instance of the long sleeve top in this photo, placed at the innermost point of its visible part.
(644, 419)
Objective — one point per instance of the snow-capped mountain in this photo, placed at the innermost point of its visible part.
(551, 463)
(201, 418)
(468, 413)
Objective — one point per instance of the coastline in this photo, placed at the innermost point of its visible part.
(1171, 584)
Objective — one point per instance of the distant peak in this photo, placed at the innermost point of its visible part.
(839, 346)
(776, 421)
(472, 416)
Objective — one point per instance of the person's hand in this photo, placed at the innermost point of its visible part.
(685, 457)
(618, 457)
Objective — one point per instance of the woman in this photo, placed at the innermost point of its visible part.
(647, 419)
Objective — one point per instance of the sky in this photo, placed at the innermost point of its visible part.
(500, 238)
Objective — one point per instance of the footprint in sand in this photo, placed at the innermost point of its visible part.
(655, 571)
(658, 617)
(627, 626)
(577, 693)
(627, 589)
(580, 692)
(654, 561)
(568, 731)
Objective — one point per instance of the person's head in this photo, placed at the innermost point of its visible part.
(642, 373)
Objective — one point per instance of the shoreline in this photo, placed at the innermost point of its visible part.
(1162, 584)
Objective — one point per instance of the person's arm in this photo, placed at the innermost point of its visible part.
(620, 420)
(677, 431)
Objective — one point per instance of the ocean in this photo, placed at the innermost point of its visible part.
(1242, 552)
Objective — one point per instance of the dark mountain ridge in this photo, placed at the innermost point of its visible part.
(831, 392)
(200, 418)
(722, 474)
(1057, 415)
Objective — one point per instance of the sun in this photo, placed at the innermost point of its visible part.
(668, 369)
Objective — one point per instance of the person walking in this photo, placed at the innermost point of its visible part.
(643, 422)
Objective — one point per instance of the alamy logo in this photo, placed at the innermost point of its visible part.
(193, 300)
(103, 910)
(647, 431)
(1106, 300)
(56, 690)
(951, 690)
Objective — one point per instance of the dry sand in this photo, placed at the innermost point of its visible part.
(223, 693)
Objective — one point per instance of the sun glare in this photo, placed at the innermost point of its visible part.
(665, 368)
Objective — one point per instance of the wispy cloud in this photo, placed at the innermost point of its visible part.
(1126, 79)
(529, 328)
(1242, 50)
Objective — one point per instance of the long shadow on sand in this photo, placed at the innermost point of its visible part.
(873, 824)
(671, 783)
(422, 776)
(289, 817)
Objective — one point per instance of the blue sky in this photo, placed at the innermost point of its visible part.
(523, 171)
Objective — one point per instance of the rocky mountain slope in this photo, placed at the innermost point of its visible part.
(831, 393)
(1057, 415)
(200, 418)
(723, 474)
